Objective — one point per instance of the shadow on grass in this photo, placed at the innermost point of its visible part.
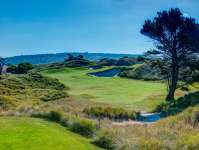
(177, 106)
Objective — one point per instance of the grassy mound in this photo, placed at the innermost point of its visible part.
(147, 71)
(36, 134)
(29, 89)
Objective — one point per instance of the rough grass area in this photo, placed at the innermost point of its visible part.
(35, 134)
(30, 89)
(134, 94)
(180, 132)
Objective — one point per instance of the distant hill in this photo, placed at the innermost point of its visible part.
(58, 57)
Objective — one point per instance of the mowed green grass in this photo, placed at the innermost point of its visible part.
(17, 133)
(135, 94)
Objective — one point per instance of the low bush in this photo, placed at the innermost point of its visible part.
(53, 95)
(21, 68)
(147, 71)
(51, 116)
(84, 127)
(111, 113)
(39, 81)
(78, 125)
(104, 139)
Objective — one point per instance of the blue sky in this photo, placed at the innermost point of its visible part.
(51, 26)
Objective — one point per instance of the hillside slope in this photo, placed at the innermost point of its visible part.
(59, 57)
(17, 133)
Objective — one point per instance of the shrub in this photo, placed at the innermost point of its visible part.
(195, 76)
(147, 71)
(51, 116)
(12, 69)
(54, 116)
(21, 68)
(65, 121)
(53, 95)
(105, 140)
(84, 127)
(39, 81)
(111, 113)
(81, 126)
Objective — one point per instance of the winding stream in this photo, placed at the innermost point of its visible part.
(149, 117)
(145, 118)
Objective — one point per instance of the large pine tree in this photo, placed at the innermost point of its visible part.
(175, 37)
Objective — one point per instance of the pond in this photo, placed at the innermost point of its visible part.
(107, 73)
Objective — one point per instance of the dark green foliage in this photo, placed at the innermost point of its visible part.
(76, 61)
(51, 116)
(124, 61)
(12, 69)
(105, 140)
(170, 108)
(54, 116)
(128, 61)
(156, 70)
(140, 59)
(84, 127)
(21, 68)
(24, 68)
(147, 71)
(111, 113)
(195, 76)
(107, 62)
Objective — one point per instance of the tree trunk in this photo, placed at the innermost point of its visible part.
(173, 79)
(1, 69)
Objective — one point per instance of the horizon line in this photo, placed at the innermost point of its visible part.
(73, 52)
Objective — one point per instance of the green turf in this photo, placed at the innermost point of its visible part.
(35, 134)
(136, 94)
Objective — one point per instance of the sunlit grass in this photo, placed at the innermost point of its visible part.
(35, 134)
(135, 94)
